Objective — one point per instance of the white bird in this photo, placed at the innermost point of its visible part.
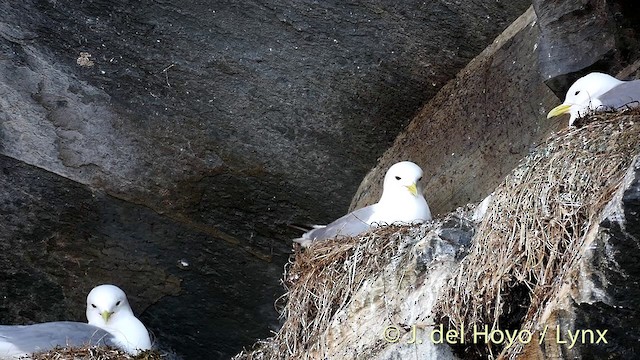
(108, 309)
(111, 323)
(597, 92)
(401, 202)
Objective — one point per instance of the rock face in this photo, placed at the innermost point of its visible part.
(481, 123)
(391, 316)
(477, 128)
(193, 109)
(59, 239)
(578, 37)
(370, 296)
(605, 296)
(401, 306)
(136, 137)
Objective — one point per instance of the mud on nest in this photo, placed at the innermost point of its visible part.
(531, 239)
(320, 281)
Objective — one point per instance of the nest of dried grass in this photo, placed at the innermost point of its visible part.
(320, 281)
(536, 226)
(93, 353)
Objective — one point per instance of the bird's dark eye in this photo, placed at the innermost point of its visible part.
(577, 92)
(93, 306)
(397, 177)
(118, 303)
(420, 178)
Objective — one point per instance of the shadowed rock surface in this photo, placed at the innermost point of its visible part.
(483, 122)
(168, 131)
(477, 128)
(59, 239)
(579, 37)
(603, 301)
(192, 109)
(614, 270)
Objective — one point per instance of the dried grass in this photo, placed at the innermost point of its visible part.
(530, 239)
(321, 281)
(94, 353)
(534, 230)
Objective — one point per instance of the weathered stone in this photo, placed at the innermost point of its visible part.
(223, 122)
(477, 128)
(599, 304)
(581, 36)
(604, 298)
(59, 238)
(391, 315)
(191, 109)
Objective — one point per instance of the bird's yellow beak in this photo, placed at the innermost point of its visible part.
(559, 110)
(413, 189)
(106, 315)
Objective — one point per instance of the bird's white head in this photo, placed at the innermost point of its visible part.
(108, 308)
(106, 304)
(583, 95)
(402, 179)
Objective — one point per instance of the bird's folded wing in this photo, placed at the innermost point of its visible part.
(625, 94)
(18, 340)
(352, 224)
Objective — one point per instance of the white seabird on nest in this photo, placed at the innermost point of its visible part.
(401, 202)
(597, 92)
(111, 322)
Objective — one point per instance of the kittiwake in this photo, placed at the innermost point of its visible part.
(111, 322)
(401, 202)
(597, 92)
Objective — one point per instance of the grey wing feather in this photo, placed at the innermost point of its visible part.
(625, 94)
(352, 224)
(45, 336)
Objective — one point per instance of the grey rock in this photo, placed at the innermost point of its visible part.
(581, 36)
(477, 128)
(58, 239)
(601, 304)
(458, 230)
(191, 109)
(192, 132)
(613, 301)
